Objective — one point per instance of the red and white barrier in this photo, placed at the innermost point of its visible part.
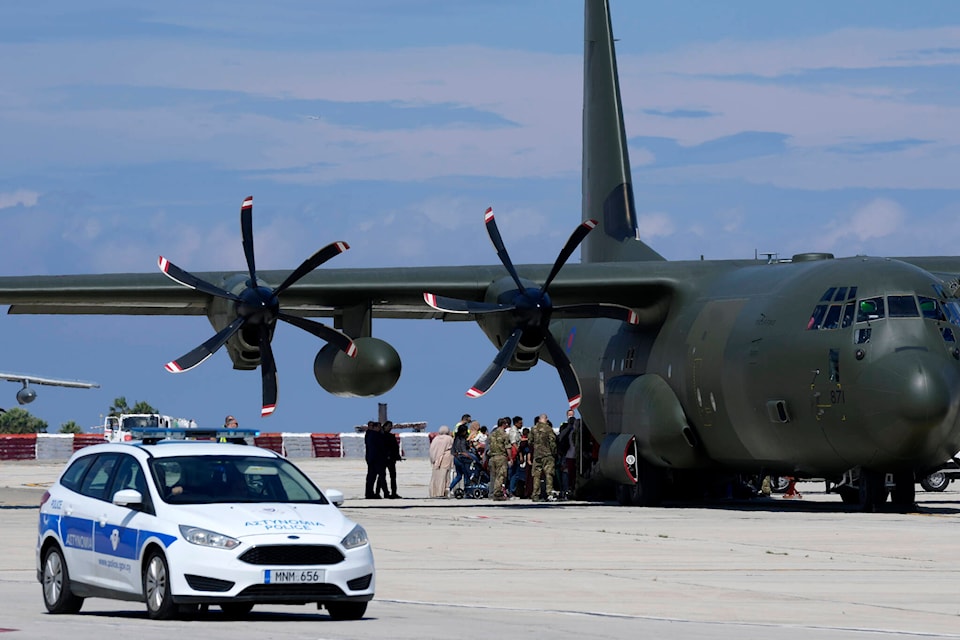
(58, 446)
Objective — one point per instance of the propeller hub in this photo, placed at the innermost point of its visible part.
(532, 308)
(258, 305)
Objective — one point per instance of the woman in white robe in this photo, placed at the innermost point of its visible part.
(441, 461)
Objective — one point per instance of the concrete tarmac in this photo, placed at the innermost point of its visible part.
(458, 569)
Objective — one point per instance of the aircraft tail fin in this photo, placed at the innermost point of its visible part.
(607, 184)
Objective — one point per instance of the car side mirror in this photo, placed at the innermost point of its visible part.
(335, 496)
(128, 498)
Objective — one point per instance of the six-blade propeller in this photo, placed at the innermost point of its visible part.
(531, 310)
(258, 306)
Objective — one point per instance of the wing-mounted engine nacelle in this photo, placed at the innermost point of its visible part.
(373, 372)
(26, 395)
(498, 327)
(647, 422)
(244, 347)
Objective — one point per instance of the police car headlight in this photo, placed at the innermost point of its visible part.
(205, 538)
(356, 538)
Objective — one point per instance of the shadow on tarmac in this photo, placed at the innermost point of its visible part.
(215, 615)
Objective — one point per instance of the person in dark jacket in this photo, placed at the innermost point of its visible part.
(462, 457)
(376, 458)
(392, 450)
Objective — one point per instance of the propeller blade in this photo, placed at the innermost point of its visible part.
(455, 305)
(204, 351)
(338, 339)
(495, 370)
(598, 310)
(567, 375)
(573, 242)
(494, 234)
(268, 372)
(180, 276)
(246, 232)
(311, 263)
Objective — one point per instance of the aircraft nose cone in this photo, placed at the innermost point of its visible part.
(925, 396)
(910, 404)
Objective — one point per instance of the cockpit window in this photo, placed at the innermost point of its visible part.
(849, 310)
(838, 315)
(953, 312)
(930, 309)
(902, 307)
(832, 321)
(870, 309)
(816, 319)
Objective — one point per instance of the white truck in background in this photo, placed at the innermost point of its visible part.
(117, 428)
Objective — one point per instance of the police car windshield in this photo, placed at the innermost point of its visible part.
(228, 479)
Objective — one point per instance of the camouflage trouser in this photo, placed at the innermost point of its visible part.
(542, 466)
(498, 474)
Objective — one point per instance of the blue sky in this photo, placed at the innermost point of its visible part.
(132, 130)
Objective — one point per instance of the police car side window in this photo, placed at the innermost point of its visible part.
(74, 475)
(130, 475)
(97, 479)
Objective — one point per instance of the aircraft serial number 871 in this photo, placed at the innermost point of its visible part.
(845, 369)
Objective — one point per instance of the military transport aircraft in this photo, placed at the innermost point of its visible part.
(846, 369)
(27, 394)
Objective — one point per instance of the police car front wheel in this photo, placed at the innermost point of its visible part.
(156, 587)
(346, 610)
(236, 609)
(57, 596)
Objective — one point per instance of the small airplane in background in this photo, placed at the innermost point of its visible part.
(27, 394)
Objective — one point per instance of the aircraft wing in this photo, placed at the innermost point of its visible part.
(53, 382)
(388, 292)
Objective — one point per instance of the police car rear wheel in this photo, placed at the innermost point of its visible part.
(346, 610)
(156, 588)
(57, 596)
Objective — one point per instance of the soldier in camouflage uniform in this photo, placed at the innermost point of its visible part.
(544, 455)
(498, 447)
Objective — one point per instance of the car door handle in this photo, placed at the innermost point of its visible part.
(103, 520)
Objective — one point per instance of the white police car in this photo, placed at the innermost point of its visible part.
(183, 524)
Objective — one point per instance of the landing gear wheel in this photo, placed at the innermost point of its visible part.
(346, 610)
(236, 609)
(873, 490)
(936, 481)
(849, 495)
(904, 494)
(57, 596)
(648, 492)
(156, 588)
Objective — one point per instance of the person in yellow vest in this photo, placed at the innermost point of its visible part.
(231, 423)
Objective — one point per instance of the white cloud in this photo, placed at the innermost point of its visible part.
(655, 225)
(19, 197)
(878, 218)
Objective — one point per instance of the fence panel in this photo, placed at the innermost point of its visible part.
(18, 446)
